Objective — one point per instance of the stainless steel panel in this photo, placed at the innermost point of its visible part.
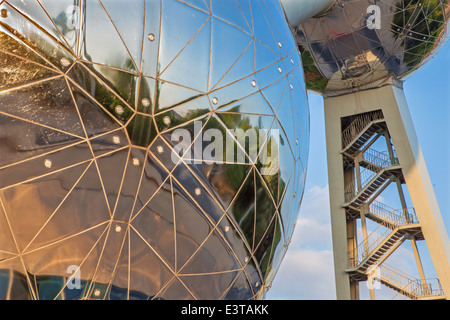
(93, 205)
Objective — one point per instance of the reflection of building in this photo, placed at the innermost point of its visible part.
(372, 147)
(89, 98)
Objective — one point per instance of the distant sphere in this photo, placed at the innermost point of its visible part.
(365, 44)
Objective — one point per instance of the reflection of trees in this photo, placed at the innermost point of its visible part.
(14, 70)
(159, 87)
(314, 79)
(34, 38)
(54, 288)
(253, 208)
(430, 24)
(236, 121)
(83, 76)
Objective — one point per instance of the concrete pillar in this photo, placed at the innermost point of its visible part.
(391, 100)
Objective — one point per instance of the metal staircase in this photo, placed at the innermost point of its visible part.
(369, 254)
(356, 196)
(407, 285)
(379, 170)
(391, 230)
(361, 130)
(363, 260)
(405, 220)
(369, 172)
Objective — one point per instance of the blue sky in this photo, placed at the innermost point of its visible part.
(307, 269)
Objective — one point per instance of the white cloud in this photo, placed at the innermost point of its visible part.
(305, 275)
(313, 229)
(316, 204)
(310, 232)
(307, 271)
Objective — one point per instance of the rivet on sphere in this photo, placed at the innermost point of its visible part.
(65, 62)
(151, 37)
(160, 149)
(253, 83)
(48, 163)
(119, 110)
(167, 120)
(198, 191)
(136, 162)
(215, 100)
(118, 228)
(145, 102)
(116, 139)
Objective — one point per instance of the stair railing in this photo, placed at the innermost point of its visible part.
(398, 218)
(408, 285)
(358, 125)
(380, 159)
(377, 161)
(368, 246)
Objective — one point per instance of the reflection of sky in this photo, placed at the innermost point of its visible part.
(307, 270)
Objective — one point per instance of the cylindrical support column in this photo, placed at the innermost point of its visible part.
(298, 11)
(338, 180)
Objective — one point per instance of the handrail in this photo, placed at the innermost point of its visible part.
(367, 247)
(377, 161)
(366, 177)
(352, 189)
(378, 158)
(358, 124)
(432, 287)
(401, 279)
(401, 216)
(391, 220)
(408, 284)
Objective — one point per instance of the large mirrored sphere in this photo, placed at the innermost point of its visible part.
(127, 165)
(363, 44)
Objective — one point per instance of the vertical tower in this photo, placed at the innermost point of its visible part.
(356, 55)
(372, 149)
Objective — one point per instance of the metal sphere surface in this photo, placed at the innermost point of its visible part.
(112, 118)
(363, 44)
